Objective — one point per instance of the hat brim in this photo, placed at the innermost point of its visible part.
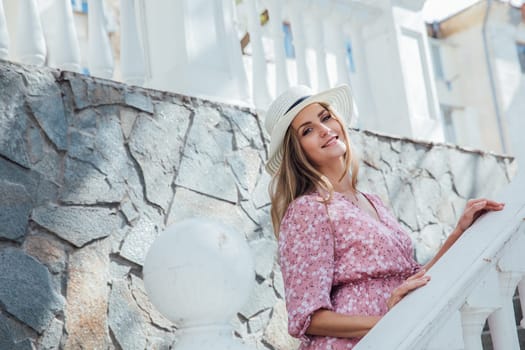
(338, 98)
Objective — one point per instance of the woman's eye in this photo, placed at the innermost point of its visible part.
(326, 117)
(306, 131)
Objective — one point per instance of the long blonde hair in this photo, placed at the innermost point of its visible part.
(297, 176)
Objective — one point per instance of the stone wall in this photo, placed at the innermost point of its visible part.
(91, 171)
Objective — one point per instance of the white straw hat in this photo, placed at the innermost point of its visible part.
(285, 107)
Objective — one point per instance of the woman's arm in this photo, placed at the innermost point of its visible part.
(474, 209)
(333, 324)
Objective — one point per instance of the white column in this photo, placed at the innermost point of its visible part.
(131, 52)
(100, 57)
(299, 43)
(4, 37)
(478, 306)
(512, 268)
(501, 323)
(338, 45)
(66, 53)
(261, 94)
(30, 45)
(281, 73)
(318, 44)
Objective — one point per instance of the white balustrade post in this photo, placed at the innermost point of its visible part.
(501, 323)
(299, 42)
(4, 36)
(100, 57)
(338, 44)
(199, 273)
(66, 54)
(131, 52)
(512, 269)
(30, 47)
(281, 72)
(478, 306)
(260, 90)
(318, 43)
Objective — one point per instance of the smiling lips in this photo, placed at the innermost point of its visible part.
(331, 141)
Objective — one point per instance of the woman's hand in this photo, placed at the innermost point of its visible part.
(474, 209)
(415, 281)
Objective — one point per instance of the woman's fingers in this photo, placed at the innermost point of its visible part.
(418, 274)
(475, 208)
(413, 282)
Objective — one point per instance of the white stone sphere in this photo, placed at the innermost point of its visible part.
(198, 271)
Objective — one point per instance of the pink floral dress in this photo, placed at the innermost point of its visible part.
(350, 271)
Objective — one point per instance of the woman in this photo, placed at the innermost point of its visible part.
(345, 259)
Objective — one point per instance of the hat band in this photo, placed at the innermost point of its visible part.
(297, 102)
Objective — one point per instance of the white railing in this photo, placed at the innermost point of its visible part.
(44, 32)
(28, 38)
(474, 281)
(37, 32)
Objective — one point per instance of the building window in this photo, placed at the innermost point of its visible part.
(521, 55)
(288, 41)
(438, 61)
(350, 56)
(448, 124)
(79, 6)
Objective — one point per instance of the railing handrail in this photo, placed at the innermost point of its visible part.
(454, 277)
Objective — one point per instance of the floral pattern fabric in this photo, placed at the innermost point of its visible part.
(338, 257)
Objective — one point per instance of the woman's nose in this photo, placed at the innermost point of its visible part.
(324, 130)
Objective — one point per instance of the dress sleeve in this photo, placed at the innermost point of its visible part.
(306, 257)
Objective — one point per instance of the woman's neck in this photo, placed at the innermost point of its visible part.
(343, 185)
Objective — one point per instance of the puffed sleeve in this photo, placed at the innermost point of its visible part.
(306, 257)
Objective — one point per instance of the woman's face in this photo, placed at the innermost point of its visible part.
(320, 135)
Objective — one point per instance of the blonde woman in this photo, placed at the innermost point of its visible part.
(344, 257)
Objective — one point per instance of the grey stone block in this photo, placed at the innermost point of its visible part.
(276, 334)
(48, 109)
(139, 294)
(13, 125)
(85, 120)
(92, 92)
(156, 144)
(262, 297)
(189, 204)
(40, 189)
(138, 100)
(15, 207)
(75, 224)
(51, 338)
(246, 166)
(139, 239)
(246, 129)
(36, 144)
(125, 319)
(204, 165)
(26, 290)
(84, 184)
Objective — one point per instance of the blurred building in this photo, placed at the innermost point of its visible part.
(456, 78)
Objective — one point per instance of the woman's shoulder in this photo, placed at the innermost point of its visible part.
(312, 199)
